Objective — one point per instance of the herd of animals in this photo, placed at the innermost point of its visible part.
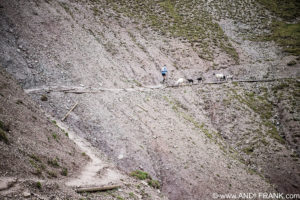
(219, 77)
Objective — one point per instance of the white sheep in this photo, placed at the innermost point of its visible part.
(220, 76)
(229, 77)
(180, 81)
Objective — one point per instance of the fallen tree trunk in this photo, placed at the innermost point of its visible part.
(69, 112)
(96, 189)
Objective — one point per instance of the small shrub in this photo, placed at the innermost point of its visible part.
(291, 63)
(140, 174)
(137, 83)
(44, 98)
(64, 172)
(83, 153)
(34, 157)
(53, 121)
(38, 185)
(131, 194)
(52, 174)
(19, 102)
(38, 172)
(154, 183)
(53, 162)
(3, 136)
(55, 136)
(4, 127)
(248, 150)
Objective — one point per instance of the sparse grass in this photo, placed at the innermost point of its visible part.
(131, 194)
(286, 35)
(66, 8)
(53, 162)
(180, 19)
(263, 107)
(52, 174)
(34, 157)
(37, 164)
(258, 104)
(286, 9)
(281, 86)
(111, 48)
(248, 150)
(137, 83)
(273, 132)
(55, 136)
(140, 174)
(263, 141)
(64, 172)
(154, 183)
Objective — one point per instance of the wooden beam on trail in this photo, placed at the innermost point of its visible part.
(177, 86)
(81, 92)
(253, 81)
(97, 189)
(69, 112)
(144, 109)
(218, 82)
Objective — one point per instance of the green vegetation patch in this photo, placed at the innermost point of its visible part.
(154, 183)
(248, 150)
(52, 174)
(263, 107)
(53, 162)
(3, 129)
(3, 137)
(38, 185)
(140, 174)
(286, 9)
(64, 172)
(281, 86)
(259, 104)
(187, 20)
(287, 36)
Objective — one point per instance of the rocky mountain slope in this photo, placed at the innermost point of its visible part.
(195, 139)
(39, 161)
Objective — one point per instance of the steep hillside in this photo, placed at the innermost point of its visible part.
(199, 139)
(33, 149)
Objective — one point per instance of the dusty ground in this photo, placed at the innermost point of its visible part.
(197, 140)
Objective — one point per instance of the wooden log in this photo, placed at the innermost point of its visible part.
(142, 108)
(253, 81)
(96, 189)
(69, 112)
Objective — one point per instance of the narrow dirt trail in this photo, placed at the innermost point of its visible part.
(80, 89)
(90, 89)
(96, 172)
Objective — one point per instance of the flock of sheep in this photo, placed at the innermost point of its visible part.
(219, 77)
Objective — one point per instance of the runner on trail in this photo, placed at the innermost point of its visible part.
(164, 72)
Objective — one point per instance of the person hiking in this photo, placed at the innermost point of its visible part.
(164, 72)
